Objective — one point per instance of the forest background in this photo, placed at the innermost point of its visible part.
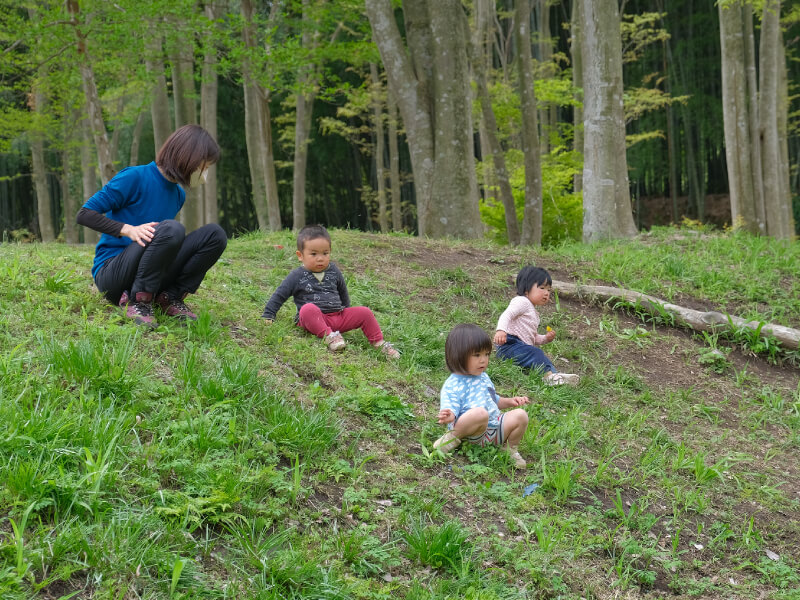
(320, 124)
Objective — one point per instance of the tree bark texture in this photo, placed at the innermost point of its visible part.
(304, 108)
(159, 103)
(38, 166)
(695, 319)
(394, 165)
(577, 83)
(532, 216)
(88, 177)
(209, 92)
(380, 170)
(606, 196)
(431, 84)
(736, 118)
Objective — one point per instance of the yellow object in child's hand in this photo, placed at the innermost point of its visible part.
(548, 328)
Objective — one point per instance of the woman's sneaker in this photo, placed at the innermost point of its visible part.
(140, 308)
(447, 443)
(175, 307)
(561, 379)
(335, 341)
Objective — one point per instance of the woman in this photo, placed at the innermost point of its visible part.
(144, 255)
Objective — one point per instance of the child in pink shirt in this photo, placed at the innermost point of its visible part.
(517, 336)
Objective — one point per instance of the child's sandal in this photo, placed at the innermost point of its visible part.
(335, 341)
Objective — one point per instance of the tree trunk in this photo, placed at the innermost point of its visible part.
(777, 205)
(439, 133)
(88, 178)
(94, 108)
(783, 138)
(532, 217)
(547, 115)
(159, 104)
(753, 118)
(577, 83)
(455, 187)
(209, 91)
(736, 118)
(185, 98)
(44, 210)
(304, 108)
(493, 146)
(252, 118)
(606, 196)
(268, 156)
(394, 165)
(380, 173)
(67, 198)
(135, 140)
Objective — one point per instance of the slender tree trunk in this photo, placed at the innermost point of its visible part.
(736, 118)
(547, 115)
(492, 143)
(777, 204)
(43, 204)
(380, 173)
(532, 218)
(135, 140)
(411, 94)
(185, 97)
(577, 83)
(93, 105)
(304, 108)
(253, 125)
(209, 92)
(752, 108)
(268, 166)
(394, 165)
(88, 177)
(783, 138)
(159, 105)
(67, 197)
(606, 196)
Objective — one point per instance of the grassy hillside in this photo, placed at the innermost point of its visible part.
(235, 459)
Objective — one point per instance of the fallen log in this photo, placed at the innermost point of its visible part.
(713, 321)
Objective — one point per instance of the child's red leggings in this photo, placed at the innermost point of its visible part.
(312, 319)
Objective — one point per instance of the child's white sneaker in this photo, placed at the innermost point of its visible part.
(335, 341)
(519, 462)
(389, 350)
(447, 443)
(561, 379)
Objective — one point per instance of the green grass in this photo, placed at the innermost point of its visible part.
(232, 459)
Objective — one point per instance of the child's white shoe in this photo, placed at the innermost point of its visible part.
(447, 443)
(561, 379)
(519, 462)
(389, 350)
(335, 341)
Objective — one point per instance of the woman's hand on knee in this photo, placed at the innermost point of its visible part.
(141, 234)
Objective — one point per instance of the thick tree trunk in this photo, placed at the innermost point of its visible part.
(380, 172)
(489, 136)
(606, 196)
(159, 104)
(209, 91)
(455, 187)
(532, 217)
(736, 118)
(777, 205)
(394, 165)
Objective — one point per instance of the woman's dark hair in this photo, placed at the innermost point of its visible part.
(311, 232)
(530, 276)
(185, 151)
(462, 341)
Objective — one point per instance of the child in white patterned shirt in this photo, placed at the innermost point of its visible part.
(517, 336)
(469, 405)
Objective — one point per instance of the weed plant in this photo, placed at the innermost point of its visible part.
(225, 458)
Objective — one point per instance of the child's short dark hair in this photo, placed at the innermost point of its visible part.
(530, 276)
(311, 232)
(462, 341)
(185, 151)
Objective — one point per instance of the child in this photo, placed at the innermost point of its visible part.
(469, 405)
(517, 334)
(320, 293)
(145, 256)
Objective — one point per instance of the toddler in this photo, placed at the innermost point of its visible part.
(320, 293)
(469, 406)
(517, 335)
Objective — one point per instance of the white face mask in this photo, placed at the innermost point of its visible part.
(198, 178)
